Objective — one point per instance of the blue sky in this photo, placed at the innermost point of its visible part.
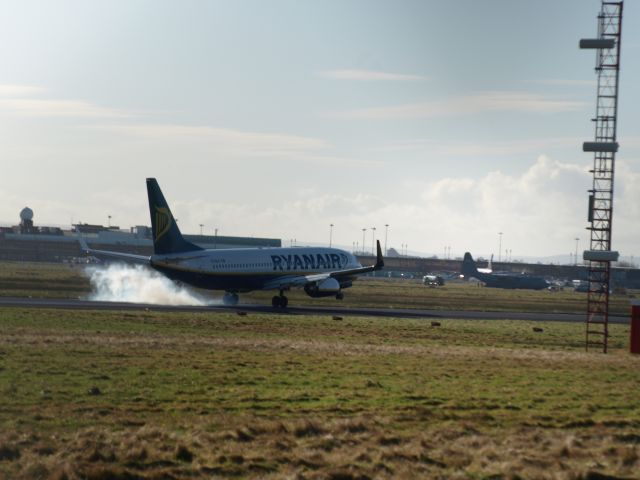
(450, 121)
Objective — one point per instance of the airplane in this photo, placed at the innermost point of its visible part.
(321, 272)
(501, 280)
(488, 268)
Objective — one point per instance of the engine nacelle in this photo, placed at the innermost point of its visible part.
(326, 288)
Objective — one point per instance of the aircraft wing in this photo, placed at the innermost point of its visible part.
(289, 281)
(127, 257)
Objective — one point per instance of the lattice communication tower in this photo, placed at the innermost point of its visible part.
(604, 148)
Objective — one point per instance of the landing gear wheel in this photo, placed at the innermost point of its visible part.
(279, 301)
(230, 299)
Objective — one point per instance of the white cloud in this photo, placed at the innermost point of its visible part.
(540, 210)
(225, 140)
(158, 141)
(470, 105)
(462, 149)
(19, 100)
(629, 142)
(9, 90)
(370, 75)
(212, 142)
(57, 108)
(302, 217)
(540, 199)
(565, 82)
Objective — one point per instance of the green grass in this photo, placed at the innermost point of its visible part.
(44, 280)
(220, 394)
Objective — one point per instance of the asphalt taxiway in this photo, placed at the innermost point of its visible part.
(334, 310)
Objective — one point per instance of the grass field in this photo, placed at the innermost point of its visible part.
(71, 281)
(126, 395)
(47, 280)
(149, 395)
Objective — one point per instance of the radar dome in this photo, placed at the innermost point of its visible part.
(26, 214)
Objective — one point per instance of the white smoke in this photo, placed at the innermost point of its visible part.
(118, 282)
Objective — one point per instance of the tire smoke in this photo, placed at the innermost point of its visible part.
(118, 282)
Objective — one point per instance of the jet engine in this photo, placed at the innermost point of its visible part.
(328, 287)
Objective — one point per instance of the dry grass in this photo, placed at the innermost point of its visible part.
(308, 346)
(360, 447)
(110, 395)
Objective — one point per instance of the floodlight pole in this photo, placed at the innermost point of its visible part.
(386, 233)
(373, 241)
(363, 244)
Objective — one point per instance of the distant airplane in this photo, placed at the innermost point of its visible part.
(321, 272)
(502, 280)
(489, 268)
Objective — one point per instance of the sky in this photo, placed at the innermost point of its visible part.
(447, 121)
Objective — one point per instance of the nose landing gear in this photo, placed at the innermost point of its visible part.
(230, 299)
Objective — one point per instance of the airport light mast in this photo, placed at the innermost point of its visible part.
(373, 240)
(386, 233)
(364, 250)
(604, 148)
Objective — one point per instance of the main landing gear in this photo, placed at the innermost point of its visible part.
(280, 301)
(230, 299)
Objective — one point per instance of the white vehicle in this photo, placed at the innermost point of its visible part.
(433, 280)
(321, 272)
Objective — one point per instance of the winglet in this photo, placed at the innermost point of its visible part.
(379, 260)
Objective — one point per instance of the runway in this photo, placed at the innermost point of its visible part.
(332, 310)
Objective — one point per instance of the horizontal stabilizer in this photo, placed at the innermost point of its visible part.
(126, 257)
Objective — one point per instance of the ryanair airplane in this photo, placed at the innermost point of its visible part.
(321, 272)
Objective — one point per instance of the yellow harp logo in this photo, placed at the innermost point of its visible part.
(163, 222)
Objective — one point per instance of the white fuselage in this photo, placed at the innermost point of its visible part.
(250, 268)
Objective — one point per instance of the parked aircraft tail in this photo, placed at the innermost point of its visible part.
(469, 266)
(166, 234)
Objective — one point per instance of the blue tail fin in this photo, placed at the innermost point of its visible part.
(469, 266)
(166, 234)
